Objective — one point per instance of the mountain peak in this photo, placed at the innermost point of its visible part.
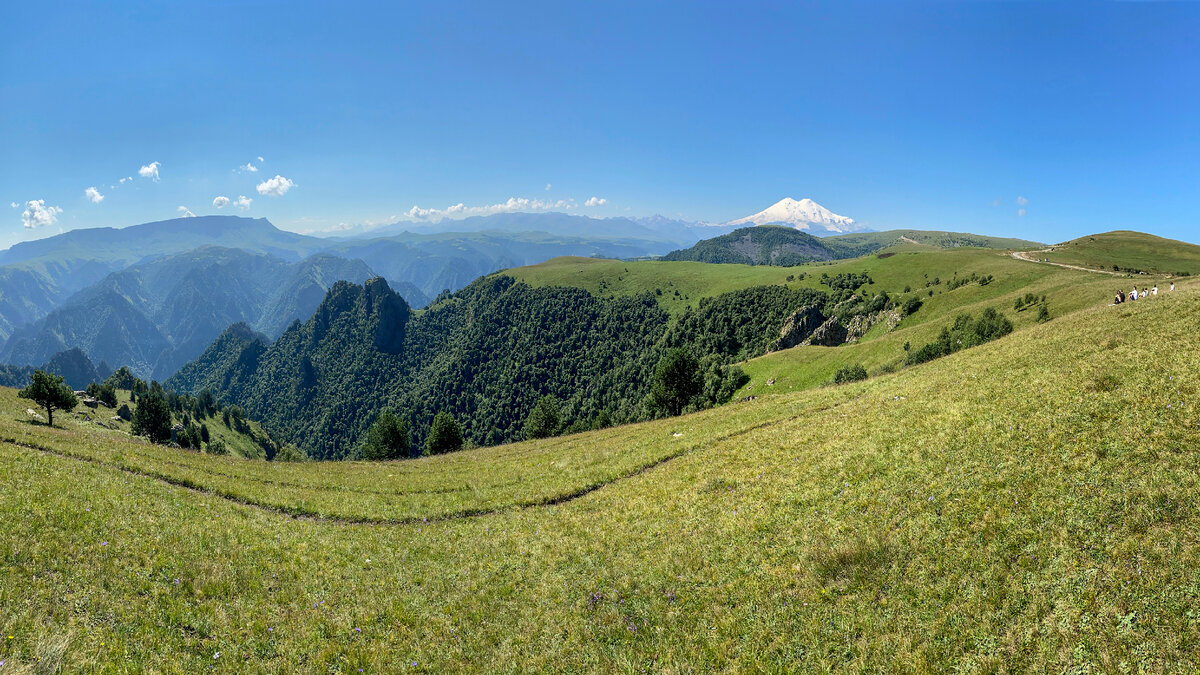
(802, 214)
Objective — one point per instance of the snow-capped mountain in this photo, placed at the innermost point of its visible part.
(804, 214)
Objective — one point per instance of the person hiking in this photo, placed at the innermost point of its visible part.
(1154, 291)
(1172, 285)
(1120, 296)
(1133, 295)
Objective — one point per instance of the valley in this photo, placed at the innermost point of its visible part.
(1015, 500)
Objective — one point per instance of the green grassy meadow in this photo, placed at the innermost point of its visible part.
(1128, 250)
(1025, 505)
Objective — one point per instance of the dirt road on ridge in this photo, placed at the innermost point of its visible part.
(1028, 256)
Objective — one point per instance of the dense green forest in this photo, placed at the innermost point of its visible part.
(487, 354)
(759, 245)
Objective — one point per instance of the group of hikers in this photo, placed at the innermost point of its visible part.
(1135, 294)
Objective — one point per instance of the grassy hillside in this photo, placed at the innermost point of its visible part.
(1129, 251)
(609, 278)
(1065, 291)
(866, 242)
(892, 269)
(247, 442)
(1026, 505)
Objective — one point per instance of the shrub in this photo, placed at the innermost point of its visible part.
(124, 412)
(290, 453)
(851, 373)
(216, 447)
(190, 436)
(964, 333)
(1043, 313)
(911, 306)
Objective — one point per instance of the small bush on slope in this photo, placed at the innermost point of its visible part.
(966, 332)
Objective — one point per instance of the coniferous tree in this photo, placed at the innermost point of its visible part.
(50, 392)
(676, 382)
(444, 435)
(388, 438)
(545, 418)
(152, 418)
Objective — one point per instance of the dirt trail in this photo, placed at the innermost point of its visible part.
(1028, 256)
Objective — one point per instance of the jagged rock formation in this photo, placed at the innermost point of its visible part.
(798, 327)
(829, 334)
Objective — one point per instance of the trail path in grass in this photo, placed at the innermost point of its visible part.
(1027, 256)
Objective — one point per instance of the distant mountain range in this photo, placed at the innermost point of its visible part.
(151, 296)
(156, 316)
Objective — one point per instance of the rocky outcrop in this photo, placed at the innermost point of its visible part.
(829, 334)
(862, 323)
(797, 327)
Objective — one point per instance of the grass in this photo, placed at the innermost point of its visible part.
(1026, 505)
(1065, 290)
(934, 238)
(248, 444)
(1128, 251)
(901, 265)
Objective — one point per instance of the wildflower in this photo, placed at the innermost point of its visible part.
(216, 655)
(357, 630)
(104, 543)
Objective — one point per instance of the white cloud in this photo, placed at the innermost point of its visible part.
(94, 195)
(149, 171)
(221, 202)
(243, 202)
(184, 212)
(248, 167)
(1021, 201)
(275, 187)
(1020, 213)
(37, 214)
(595, 201)
(514, 204)
(547, 187)
(260, 159)
(123, 180)
(14, 205)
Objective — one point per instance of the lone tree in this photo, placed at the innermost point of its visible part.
(544, 420)
(676, 382)
(444, 435)
(50, 392)
(152, 418)
(388, 438)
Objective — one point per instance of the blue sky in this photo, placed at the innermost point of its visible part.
(1044, 121)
